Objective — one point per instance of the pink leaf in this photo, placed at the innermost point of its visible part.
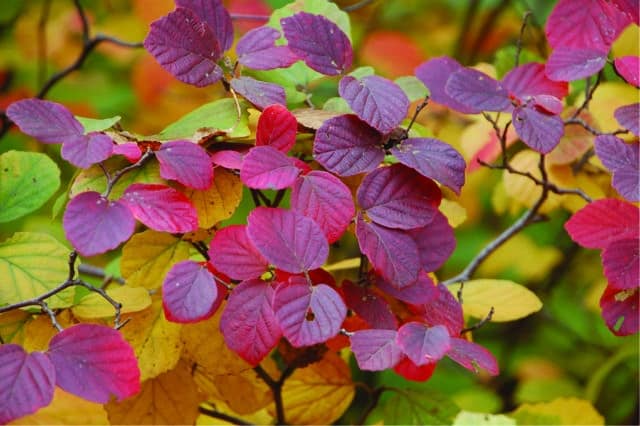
(570, 63)
(398, 197)
(322, 45)
(94, 362)
(85, 151)
(287, 239)
(161, 208)
(434, 74)
(622, 159)
(308, 314)
(540, 131)
(620, 310)
(420, 292)
(265, 167)
(187, 163)
(130, 150)
(216, 16)
(631, 8)
(256, 49)
(629, 117)
(621, 261)
(189, 292)
(369, 306)
(376, 350)
(227, 159)
(477, 91)
(529, 80)
(325, 199)
(277, 127)
(436, 242)
(248, 322)
(444, 309)
(629, 68)
(547, 104)
(232, 253)
(47, 121)
(27, 382)
(423, 344)
(94, 224)
(259, 93)
(472, 356)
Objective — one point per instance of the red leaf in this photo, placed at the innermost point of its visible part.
(189, 292)
(472, 356)
(376, 350)
(629, 68)
(444, 309)
(187, 163)
(410, 371)
(620, 310)
(277, 127)
(436, 242)
(529, 80)
(419, 292)
(423, 344)
(232, 253)
(621, 261)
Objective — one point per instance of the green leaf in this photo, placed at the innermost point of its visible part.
(362, 72)
(27, 181)
(59, 204)
(318, 7)
(32, 264)
(337, 105)
(96, 124)
(415, 407)
(505, 59)
(465, 418)
(412, 87)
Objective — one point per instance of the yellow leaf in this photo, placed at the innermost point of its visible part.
(66, 409)
(218, 202)
(510, 301)
(12, 326)
(564, 411)
(627, 43)
(93, 305)
(39, 331)
(609, 97)
(456, 214)
(168, 399)
(148, 256)
(341, 265)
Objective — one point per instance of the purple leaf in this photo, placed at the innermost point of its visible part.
(216, 16)
(540, 131)
(227, 159)
(444, 309)
(189, 292)
(345, 145)
(232, 253)
(287, 239)
(472, 356)
(248, 323)
(130, 150)
(259, 93)
(434, 159)
(419, 292)
(265, 167)
(569, 63)
(49, 122)
(477, 90)
(185, 162)
(620, 310)
(435, 242)
(621, 262)
(398, 197)
(547, 103)
(322, 45)
(325, 199)
(94, 362)
(308, 314)
(257, 50)
(185, 46)
(277, 127)
(629, 117)
(84, 151)
(376, 350)
(392, 252)
(530, 80)
(161, 208)
(434, 74)
(423, 344)
(369, 306)
(379, 102)
(629, 68)
(622, 159)
(94, 224)
(27, 382)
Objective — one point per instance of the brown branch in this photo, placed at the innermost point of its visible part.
(469, 14)
(113, 179)
(94, 271)
(42, 41)
(356, 6)
(589, 91)
(249, 17)
(222, 416)
(480, 323)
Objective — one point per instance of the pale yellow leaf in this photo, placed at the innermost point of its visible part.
(93, 305)
(66, 409)
(218, 202)
(456, 214)
(609, 97)
(567, 411)
(341, 265)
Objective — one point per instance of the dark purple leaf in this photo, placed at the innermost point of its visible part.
(185, 46)
(287, 239)
(444, 309)
(419, 292)
(257, 50)
(308, 314)
(629, 117)
(622, 159)
(227, 159)
(477, 90)
(629, 68)
(265, 167)
(94, 224)
(216, 16)
(259, 93)
(27, 382)
(434, 74)
(570, 63)
(472, 356)
(84, 151)
(277, 127)
(189, 292)
(322, 45)
(530, 80)
(620, 310)
(248, 323)
(369, 306)
(379, 102)
(540, 131)
(423, 344)
(187, 163)
(345, 145)
(621, 262)
(435, 242)
(232, 253)
(47, 121)
(375, 350)
(434, 159)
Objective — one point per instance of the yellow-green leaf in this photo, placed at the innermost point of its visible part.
(561, 411)
(93, 305)
(465, 418)
(219, 201)
(12, 326)
(341, 265)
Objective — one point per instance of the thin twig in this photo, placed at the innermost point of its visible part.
(480, 323)
(358, 5)
(94, 271)
(255, 197)
(469, 14)
(222, 416)
(521, 37)
(42, 41)
(249, 17)
(589, 91)
(113, 179)
(419, 108)
(487, 27)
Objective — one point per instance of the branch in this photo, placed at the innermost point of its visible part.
(112, 180)
(480, 323)
(589, 91)
(276, 390)
(249, 17)
(526, 16)
(356, 6)
(222, 416)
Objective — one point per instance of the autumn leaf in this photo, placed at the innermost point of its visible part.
(93, 305)
(66, 409)
(219, 201)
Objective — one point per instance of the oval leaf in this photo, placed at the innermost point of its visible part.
(84, 151)
(375, 350)
(259, 93)
(369, 306)
(629, 68)
(629, 117)
(189, 292)
(621, 262)
(569, 64)
(47, 121)
(621, 159)
(434, 74)
(216, 16)
(529, 80)
(265, 167)
(477, 91)
(423, 344)
(232, 253)
(472, 356)
(435, 242)
(277, 127)
(186, 163)
(256, 49)
(603, 221)
(620, 310)
(540, 131)
(444, 309)
(419, 292)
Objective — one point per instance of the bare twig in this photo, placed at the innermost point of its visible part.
(42, 41)
(113, 179)
(94, 271)
(525, 17)
(480, 323)
(249, 17)
(589, 91)
(222, 416)
(486, 28)
(469, 14)
(419, 108)
(358, 5)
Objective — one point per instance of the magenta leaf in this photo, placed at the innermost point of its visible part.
(444, 309)
(530, 80)
(232, 253)
(256, 49)
(434, 74)
(622, 159)
(322, 45)
(94, 362)
(434, 159)
(347, 146)
(287, 239)
(369, 306)
(227, 159)
(130, 150)
(477, 90)
(94, 224)
(419, 292)
(325, 199)
(259, 93)
(161, 208)
(185, 46)
(248, 323)
(376, 350)
(398, 197)
(629, 117)
(189, 292)
(629, 68)
(548, 104)
(308, 314)
(620, 310)
(472, 356)
(603, 221)
(621, 262)
(631, 8)
(47, 121)
(84, 151)
(423, 344)
(392, 252)
(265, 167)
(185, 162)
(540, 131)
(570, 63)
(379, 102)
(435, 242)
(216, 16)
(277, 127)
(27, 382)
